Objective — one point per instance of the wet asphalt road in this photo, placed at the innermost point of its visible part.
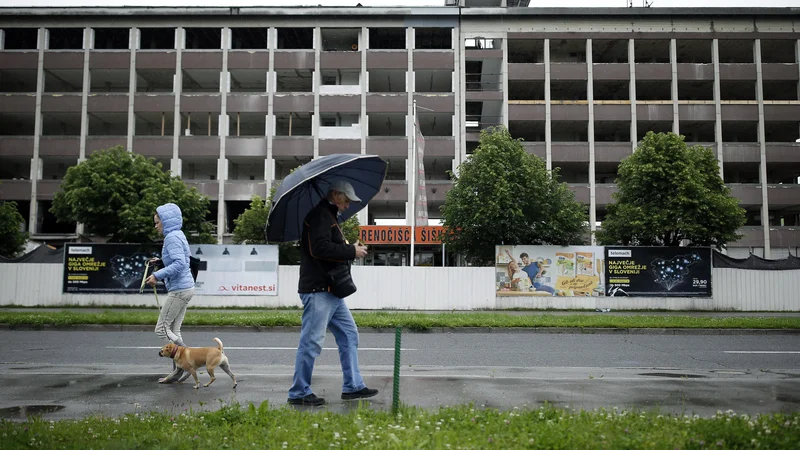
(70, 374)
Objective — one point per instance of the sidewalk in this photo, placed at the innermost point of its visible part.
(717, 314)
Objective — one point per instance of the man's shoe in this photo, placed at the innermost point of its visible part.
(308, 400)
(364, 393)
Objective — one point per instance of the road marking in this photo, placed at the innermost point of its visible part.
(761, 352)
(380, 349)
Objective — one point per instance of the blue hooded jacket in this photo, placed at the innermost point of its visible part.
(175, 252)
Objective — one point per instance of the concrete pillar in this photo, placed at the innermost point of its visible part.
(363, 45)
(632, 87)
(177, 89)
(316, 83)
(763, 150)
(548, 137)
(410, 122)
(673, 58)
(272, 42)
(717, 107)
(133, 45)
(224, 127)
(36, 163)
(590, 98)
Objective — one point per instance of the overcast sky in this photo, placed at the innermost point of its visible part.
(534, 3)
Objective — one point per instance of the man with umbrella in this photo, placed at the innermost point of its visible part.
(323, 249)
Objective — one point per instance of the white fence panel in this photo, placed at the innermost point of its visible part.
(8, 283)
(424, 288)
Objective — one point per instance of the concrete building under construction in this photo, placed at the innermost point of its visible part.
(232, 99)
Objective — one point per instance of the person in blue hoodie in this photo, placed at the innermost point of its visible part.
(177, 277)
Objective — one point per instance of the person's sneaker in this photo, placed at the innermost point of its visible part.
(172, 377)
(186, 374)
(364, 393)
(308, 400)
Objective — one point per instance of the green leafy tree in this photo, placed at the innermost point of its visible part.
(114, 193)
(351, 229)
(12, 235)
(503, 195)
(249, 229)
(668, 193)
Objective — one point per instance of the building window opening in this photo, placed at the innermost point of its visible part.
(22, 80)
(17, 124)
(293, 124)
(47, 222)
(387, 38)
(246, 80)
(295, 38)
(203, 38)
(154, 80)
(704, 90)
(736, 51)
(605, 51)
(568, 50)
(249, 38)
(108, 124)
(154, 124)
(200, 124)
(294, 80)
(20, 38)
(525, 51)
(61, 124)
(67, 80)
(340, 39)
(433, 38)
(111, 38)
(65, 39)
(157, 38)
(651, 51)
(109, 80)
(247, 124)
(693, 51)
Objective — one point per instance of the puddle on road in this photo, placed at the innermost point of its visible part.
(23, 412)
(672, 375)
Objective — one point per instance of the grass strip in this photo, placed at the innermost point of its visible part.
(450, 427)
(412, 321)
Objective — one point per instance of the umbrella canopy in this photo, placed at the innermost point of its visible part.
(304, 188)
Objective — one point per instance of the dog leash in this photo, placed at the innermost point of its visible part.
(144, 277)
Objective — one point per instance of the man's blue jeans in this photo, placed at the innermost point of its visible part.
(323, 310)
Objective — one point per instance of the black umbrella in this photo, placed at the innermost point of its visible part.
(308, 185)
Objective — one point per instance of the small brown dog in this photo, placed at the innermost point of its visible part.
(192, 358)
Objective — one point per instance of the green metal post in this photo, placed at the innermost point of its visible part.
(396, 385)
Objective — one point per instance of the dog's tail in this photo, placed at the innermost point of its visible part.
(219, 344)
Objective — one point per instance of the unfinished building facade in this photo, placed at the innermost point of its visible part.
(233, 99)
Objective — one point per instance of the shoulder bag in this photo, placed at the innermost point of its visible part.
(340, 281)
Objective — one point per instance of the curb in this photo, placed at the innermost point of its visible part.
(432, 330)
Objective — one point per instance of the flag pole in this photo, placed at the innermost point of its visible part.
(413, 180)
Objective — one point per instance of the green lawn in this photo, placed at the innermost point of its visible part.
(412, 321)
(453, 427)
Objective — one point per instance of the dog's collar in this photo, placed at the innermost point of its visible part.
(174, 352)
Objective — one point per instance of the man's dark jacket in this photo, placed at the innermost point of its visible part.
(321, 240)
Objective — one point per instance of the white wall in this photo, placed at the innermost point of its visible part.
(425, 288)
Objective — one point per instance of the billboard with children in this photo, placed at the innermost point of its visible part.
(542, 270)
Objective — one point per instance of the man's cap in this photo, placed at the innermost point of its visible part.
(345, 188)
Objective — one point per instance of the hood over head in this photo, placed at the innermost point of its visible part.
(170, 215)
